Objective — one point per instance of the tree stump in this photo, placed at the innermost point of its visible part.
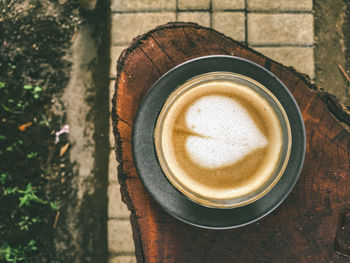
(305, 228)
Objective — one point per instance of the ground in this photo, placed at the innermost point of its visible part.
(55, 58)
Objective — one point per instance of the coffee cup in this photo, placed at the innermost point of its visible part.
(218, 142)
(222, 139)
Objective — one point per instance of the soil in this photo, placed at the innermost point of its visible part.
(36, 39)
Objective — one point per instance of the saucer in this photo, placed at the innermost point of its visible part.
(150, 172)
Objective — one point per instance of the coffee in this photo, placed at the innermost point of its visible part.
(219, 139)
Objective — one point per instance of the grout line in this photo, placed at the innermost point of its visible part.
(118, 45)
(177, 11)
(193, 10)
(245, 22)
(211, 14)
(279, 11)
(126, 253)
(210, 9)
(162, 11)
(282, 45)
(230, 10)
(143, 11)
(118, 218)
(113, 182)
(122, 43)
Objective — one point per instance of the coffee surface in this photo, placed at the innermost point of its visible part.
(221, 140)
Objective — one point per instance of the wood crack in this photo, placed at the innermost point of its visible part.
(163, 50)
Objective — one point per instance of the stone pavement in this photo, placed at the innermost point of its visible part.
(282, 30)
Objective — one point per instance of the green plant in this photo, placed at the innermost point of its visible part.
(16, 254)
(55, 205)
(26, 222)
(3, 177)
(35, 91)
(32, 155)
(25, 207)
(18, 105)
(29, 196)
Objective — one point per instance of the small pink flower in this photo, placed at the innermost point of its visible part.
(65, 129)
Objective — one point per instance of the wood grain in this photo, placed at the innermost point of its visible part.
(302, 229)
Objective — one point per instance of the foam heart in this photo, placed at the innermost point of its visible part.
(228, 133)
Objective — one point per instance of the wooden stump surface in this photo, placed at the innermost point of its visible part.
(302, 229)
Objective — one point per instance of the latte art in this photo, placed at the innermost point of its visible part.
(226, 132)
(221, 140)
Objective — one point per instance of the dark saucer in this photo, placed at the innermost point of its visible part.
(160, 188)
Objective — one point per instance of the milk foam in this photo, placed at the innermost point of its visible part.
(219, 140)
(226, 132)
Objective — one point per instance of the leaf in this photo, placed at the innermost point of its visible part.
(44, 121)
(64, 149)
(8, 191)
(37, 89)
(38, 200)
(31, 242)
(36, 220)
(11, 65)
(32, 155)
(5, 108)
(54, 205)
(3, 177)
(2, 137)
(31, 245)
(27, 87)
(24, 200)
(9, 149)
(24, 126)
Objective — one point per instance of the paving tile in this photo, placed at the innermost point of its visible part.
(120, 236)
(301, 58)
(287, 29)
(228, 4)
(142, 5)
(280, 5)
(232, 24)
(202, 18)
(126, 26)
(193, 4)
(115, 53)
(112, 168)
(122, 259)
(116, 207)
